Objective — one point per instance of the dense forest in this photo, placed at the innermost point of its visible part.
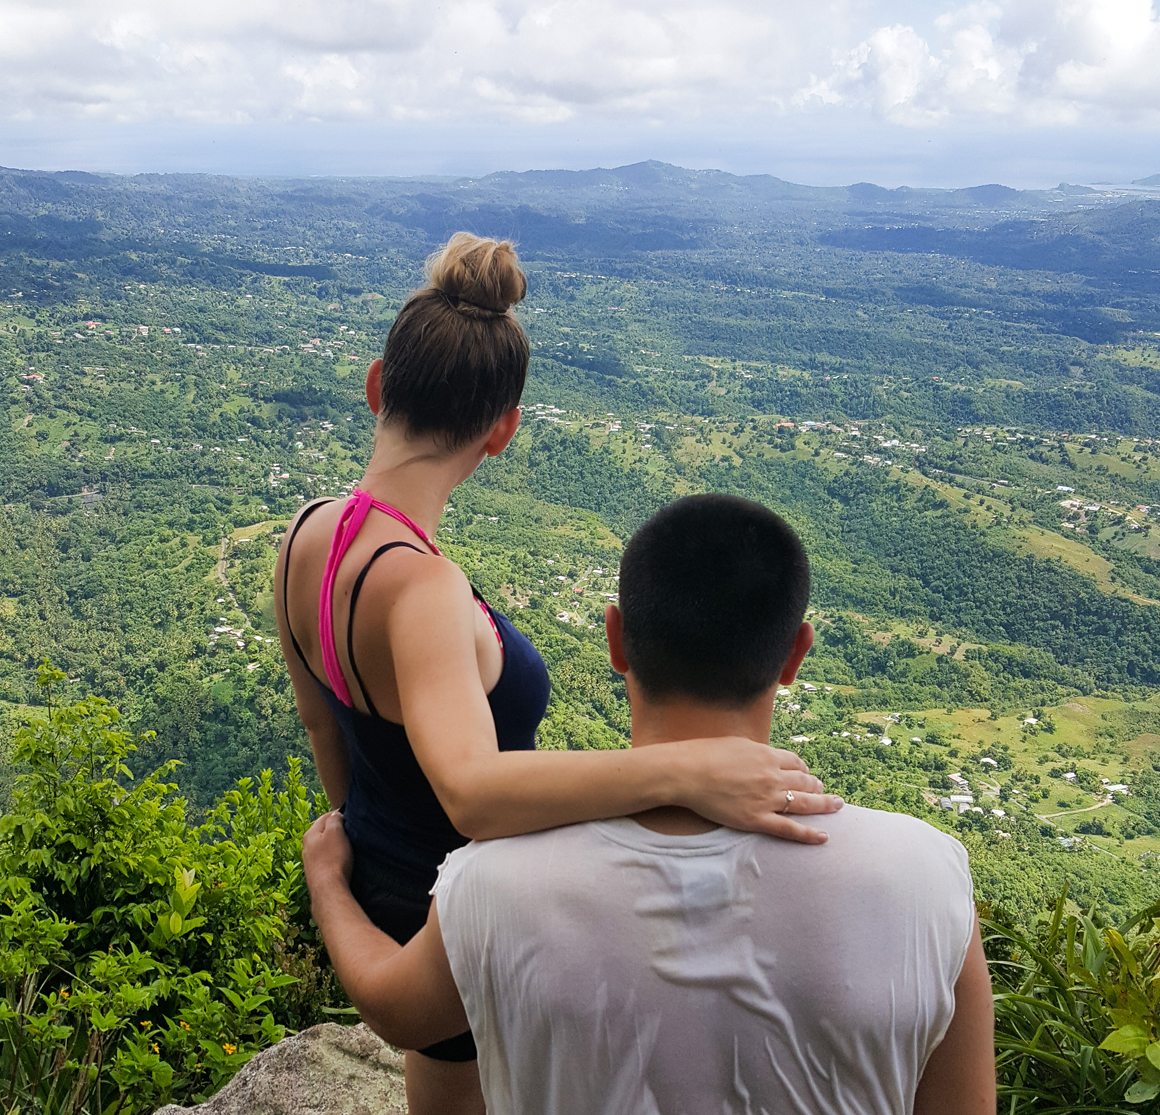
(954, 396)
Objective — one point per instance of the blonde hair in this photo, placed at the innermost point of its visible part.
(456, 358)
(478, 272)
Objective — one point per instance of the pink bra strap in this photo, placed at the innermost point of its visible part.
(395, 513)
(353, 516)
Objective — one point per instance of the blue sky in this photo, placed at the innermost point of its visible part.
(1027, 92)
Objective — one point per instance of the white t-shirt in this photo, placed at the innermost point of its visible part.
(610, 970)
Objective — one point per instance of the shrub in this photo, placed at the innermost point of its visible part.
(1094, 827)
(1077, 1014)
(143, 959)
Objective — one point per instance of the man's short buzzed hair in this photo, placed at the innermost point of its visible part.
(713, 590)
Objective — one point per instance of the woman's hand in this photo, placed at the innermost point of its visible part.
(326, 852)
(743, 785)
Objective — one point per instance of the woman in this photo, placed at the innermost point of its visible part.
(420, 701)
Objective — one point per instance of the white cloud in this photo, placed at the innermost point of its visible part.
(1033, 62)
(530, 62)
(262, 61)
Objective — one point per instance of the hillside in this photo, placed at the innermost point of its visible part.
(954, 395)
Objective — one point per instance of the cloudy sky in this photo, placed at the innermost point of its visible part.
(1028, 92)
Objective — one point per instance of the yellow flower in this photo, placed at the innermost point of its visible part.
(64, 994)
(146, 1023)
(156, 1048)
(230, 1048)
(184, 1025)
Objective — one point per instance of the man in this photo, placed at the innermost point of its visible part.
(661, 964)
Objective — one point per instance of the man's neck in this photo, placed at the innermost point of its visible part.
(683, 718)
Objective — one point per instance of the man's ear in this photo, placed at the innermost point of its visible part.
(801, 647)
(375, 386)
(502, 432)
(614, 629)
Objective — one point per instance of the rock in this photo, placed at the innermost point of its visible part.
(326, 1070)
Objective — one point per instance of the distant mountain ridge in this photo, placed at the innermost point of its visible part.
(649, 175)
(625, 220)
(611, 213)
(665, 177)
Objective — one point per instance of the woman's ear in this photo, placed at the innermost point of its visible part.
(375, 386)
(502, 432)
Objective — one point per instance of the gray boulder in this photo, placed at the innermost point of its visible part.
(326, 1070)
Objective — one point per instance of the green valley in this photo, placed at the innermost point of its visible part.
(954, 397)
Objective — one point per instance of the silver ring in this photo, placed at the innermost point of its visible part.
(788, 799)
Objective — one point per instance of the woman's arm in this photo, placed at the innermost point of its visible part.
(331, 759)
(406, 995)
(488, 793)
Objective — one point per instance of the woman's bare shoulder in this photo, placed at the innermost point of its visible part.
(310, 518)
(413, 572)
(307, 510)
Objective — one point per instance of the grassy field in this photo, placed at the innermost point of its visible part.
(1094, 733)
(1047, 544)
(1145, 543)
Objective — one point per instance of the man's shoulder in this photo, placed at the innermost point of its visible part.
(851, 824)
(877, 840)
(510, 853)
(861, 839)
(860, 818)
(854, 823)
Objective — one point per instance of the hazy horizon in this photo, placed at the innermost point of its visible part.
(1024, 92)
(268, 171)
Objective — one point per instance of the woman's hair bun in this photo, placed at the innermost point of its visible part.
(476, 272)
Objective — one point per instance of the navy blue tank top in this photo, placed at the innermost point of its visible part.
(392, 815)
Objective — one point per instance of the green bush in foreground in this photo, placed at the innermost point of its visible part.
(1077, 1014)
(143, 959)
